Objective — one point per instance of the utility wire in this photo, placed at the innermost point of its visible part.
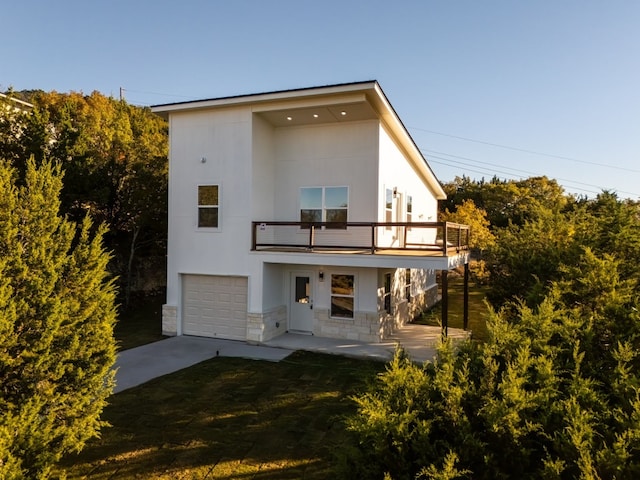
(524, 150)
(494, 173)
(565, 180)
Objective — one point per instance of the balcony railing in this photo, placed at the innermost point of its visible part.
(433, 238)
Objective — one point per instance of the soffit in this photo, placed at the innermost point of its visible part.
(336, 112)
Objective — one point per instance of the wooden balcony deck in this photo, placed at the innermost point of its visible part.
(439, 239)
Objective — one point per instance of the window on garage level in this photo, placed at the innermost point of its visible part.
(208, 206)
(342, 295)
(407, 284)
(387, 292)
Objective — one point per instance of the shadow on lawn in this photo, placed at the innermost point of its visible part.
(230, 418)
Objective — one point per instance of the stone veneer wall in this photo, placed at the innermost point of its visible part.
(404, 312)
(364, 327)
(169, 320)
(262, 327)
(372, 326)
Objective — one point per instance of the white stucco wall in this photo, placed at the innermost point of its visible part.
(263, 179)
(223, 139)
(327, 155)
(397, 172)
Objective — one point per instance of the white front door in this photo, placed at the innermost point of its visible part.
(301, 303)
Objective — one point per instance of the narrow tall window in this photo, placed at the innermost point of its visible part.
(387, 292)
(324, 204)
(342, 295)
(208, 205)
(407, 284)
(409, 210)
(388, 207)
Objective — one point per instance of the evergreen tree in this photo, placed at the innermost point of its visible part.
(57, 314)
(553, 393)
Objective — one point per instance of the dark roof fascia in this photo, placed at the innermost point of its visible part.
(275, 92)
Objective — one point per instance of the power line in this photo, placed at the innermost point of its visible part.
(564, 180)
(524, 150)
(494, 172)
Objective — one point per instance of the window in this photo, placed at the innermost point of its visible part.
(407, 284)
(324, 204)
(387, 292)
(342, 295)
(388, 207)
(208, 205)
(409, 210)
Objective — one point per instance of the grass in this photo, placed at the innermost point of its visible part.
(230, 418)
(478, 312)
(141, 323)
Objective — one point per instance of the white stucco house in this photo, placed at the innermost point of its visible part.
(309, 211)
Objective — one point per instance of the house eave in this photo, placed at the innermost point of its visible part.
(364, 93)
(259, 98)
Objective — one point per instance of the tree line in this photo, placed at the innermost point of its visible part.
(114, 159)
(555, 391)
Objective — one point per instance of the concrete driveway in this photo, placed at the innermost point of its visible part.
(139, 365)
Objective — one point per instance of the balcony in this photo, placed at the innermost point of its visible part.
(439, 239)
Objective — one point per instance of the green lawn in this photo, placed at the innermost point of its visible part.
(230, 418)
(478, 311)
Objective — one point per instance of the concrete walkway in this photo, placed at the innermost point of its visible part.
(139, 365)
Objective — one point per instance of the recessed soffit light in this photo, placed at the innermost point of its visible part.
(289, 118)
(343, 113)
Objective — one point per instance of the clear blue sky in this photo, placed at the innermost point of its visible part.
(561, 78)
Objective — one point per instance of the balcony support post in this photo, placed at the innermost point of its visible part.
(445, 303)
(466, 297)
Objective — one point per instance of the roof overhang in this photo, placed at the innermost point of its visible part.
(328, 104)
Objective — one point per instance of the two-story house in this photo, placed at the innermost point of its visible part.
(308, 210)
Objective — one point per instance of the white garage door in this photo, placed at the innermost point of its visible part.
(214, 306)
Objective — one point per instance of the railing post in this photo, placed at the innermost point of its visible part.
(254, 235)
(373, 238)
(312, 233)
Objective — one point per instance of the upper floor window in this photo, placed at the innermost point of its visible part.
(409, 210)
(324, 204)
(388, 207)
(208, 206)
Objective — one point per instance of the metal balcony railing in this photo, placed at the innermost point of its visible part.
(434, 238)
